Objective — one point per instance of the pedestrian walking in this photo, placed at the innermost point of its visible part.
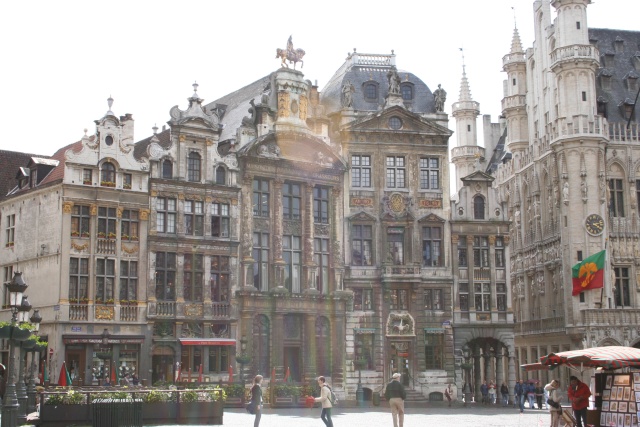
(504, 394)
(539, 394)
(325, 393)
(555, 409)
(256, 399)
(579, 396)
(395, 395)
(448, 392)
(492, 392)
(519, 392)
(484, 390)
(531, 395)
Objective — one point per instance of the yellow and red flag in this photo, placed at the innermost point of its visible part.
(588, 274)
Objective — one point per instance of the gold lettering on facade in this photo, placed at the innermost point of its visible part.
(361, 201)
(430, 203)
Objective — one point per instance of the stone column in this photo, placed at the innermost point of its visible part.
(511, 377)
(336, 248)
(246, 244)
(179, 277)
(477, 380)
(276, 242)
(311, 269)
(309, 347)
(492, 274)
(499, 369)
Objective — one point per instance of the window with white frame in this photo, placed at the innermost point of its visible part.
(399, 299)
(10, 230)
(194, 166)
(429, 173)
(87, 176)
(321, 258)
(193, 218)
(261, 261)
(260, 197)
(193, 277)
(219, 219)
(395, 245)
(362, 299)
(292, 255)
(433, 300)
(127, 181)
(463, 294)
(78, 279)
(361, 244)
(291, 200)
(166, 215)
(105, 279)
(432, 246)
(80, 220)
(462, 251)
(501, 296)
(395, 172)
(129, 225)
(107, 220)
(220, 272)
(482, 296)
(167, 169)
(166, 276)
(108, 175)
(500, 252)
(361, 170)
(128, 280)
(221, 175)
(481, 251)
(478, 207)
(321, 205)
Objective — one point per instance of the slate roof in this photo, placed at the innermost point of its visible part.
(140, 147)
(10, 163)
(619, 56)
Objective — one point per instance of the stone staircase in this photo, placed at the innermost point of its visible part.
(414, 396)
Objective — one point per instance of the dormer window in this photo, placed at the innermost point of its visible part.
(167, 169)
(33, 179)
(478, 207)
(108, 175)
(221, 175)
(371, 92)
(407, 92)
(193, 167)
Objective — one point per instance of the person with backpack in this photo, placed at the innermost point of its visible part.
(325, 399)
(395, 395)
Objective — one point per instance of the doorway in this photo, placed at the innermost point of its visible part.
(292, 362)
(75, 361)
(400, 360)
(162, 366)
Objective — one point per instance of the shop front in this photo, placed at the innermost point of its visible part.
(214, 355)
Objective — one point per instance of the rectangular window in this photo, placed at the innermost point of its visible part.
(193, 218)
(261, 261)
(429, 173)
(80, 221)
(464, 297)
(261, 197)
(362, 299)
(482, 295)
(107, 220)
(433, 350)
(321, 258)
(128, 280)
(616, 201)
(127, 181)
(622, 291)
(10, 230)
(433, 299)
(166, 217)
(481, 251)
(360, 171)
(462, 251)
(105, 279)
(220, 220)
(193, 275)
(292, 255)
(321, 205)
(87, 176)
(363, 348)
(218, 359)
(220, 278)
(399, 299)
(166, 276)
(78, 279)
(129, 225)
(291, 200)
(361, 244)
(432, 246)
(395, 172)
(395, 245)
(8, 276)
(500, 252)
(501, 296)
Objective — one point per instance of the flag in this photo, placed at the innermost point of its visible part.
(200, 373)
(178, 372)
(273, 374)
(588, 274)
(62, 378)
(287, 375)
(113, 374)
(230, 373)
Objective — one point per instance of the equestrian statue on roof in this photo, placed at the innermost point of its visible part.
(291, 55)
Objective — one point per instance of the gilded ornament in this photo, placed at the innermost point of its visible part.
(129, 251)
(94, 210)
(104, 312)
(144, 214)
(79, 248)
(193, 310)
(119, 211)
(303, 107)
(67, 207)
(182, 138)
(283, 103)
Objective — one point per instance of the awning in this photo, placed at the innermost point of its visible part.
(528, 367)
(612, 357)
(207, 341)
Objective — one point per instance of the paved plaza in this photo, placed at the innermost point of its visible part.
(429, 415)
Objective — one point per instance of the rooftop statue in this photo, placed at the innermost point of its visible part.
(291, 55)
(440, 97)
(394, 81)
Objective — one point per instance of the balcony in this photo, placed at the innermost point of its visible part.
(220, 309)
(515, 101)
(78, 312)
(390, 271)
(513, 58)
(106, 246)
(574, 53)
(129, 313)
(540, 326)
(582, 126)
(610, 317)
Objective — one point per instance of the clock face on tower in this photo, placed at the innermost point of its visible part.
(594, 224)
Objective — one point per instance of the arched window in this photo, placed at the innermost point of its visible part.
(478, 207)
(193, 167)
(407, 92)
(371, 92)
(221, 175)
(108, 174)
(261, 344)
(167, 169)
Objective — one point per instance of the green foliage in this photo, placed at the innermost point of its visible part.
(219, 394)
(27, 326)
(54, 399)
(189, 396)
(286, 390)
(308, 390)
(156, 396)
(115, 395)
(161, 383)
(234, 390)
(74, 398)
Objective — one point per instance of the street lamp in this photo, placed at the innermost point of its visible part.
(104, 354)
(21, 389)
(35, 320)
(16, 288)
(243, 358)
(466, 352)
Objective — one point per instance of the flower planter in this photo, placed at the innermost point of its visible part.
(200, 412)
(233, 402)
(65, 415)
(159, 412)
(20, 334)
(5, 331)
(28, 344)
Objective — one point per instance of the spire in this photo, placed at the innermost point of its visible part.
(516, 44)
(465, 91)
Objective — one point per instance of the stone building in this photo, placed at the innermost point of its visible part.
(568, 176)
(75, 225)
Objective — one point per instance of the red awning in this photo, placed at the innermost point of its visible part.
(612, 357)
(535, 367)
(207, 341)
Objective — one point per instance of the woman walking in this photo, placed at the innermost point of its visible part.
(554, 402)
(256, 399)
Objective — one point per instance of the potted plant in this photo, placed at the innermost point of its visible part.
(134, 238)
(30, 342)
(159, 406)
(64, 409)
(110, 301)
(84, 300)
(124, 236)
(111, 236)
(5, 330)
(286, 395)
(102, 235)
(199, 407)
(75, 234)
(22, 331)
(8, 244)
(107, 183)
(234, 395)
(98, 301)
(86, 234)
(86, 182)
(126, 186)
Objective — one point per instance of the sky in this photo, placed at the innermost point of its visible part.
(61, 60)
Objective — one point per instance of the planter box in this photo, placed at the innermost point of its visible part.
(159, 412)
(200, 413)
(5, 331)
(21, 334)
(234, 402)
(65, 415)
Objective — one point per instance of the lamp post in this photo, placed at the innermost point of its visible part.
(10, 404)
(21, 388)
(35, 320)
(243, 358)
(105, 354)
(466, 352)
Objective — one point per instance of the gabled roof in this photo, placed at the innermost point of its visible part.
(412, 123)
(163, 139)
(10, 164)
(477, 176)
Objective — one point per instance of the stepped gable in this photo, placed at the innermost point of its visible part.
(360, 68)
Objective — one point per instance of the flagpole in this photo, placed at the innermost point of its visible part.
(607, 267)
